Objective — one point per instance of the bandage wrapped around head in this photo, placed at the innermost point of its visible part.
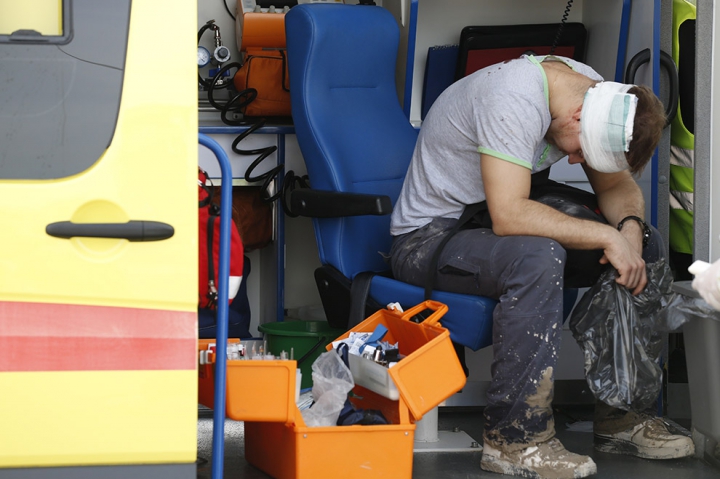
(606, 126)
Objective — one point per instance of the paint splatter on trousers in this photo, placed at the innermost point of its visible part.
(526, 275)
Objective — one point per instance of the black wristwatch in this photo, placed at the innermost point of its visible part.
(643, 225)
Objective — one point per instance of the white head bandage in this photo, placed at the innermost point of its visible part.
(606, 126)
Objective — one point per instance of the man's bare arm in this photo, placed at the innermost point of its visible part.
(619, 196)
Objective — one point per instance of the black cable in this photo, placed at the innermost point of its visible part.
(262, 153)
(236, 103)
(228, 9)
(204, 28)
(561, 27)
(213, 85)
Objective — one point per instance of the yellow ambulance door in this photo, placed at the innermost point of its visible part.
(98, 256)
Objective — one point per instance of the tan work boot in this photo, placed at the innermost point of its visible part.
(650, 439)
(547, 460)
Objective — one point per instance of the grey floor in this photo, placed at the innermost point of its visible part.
(466, 465)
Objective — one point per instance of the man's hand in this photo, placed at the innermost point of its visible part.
(625, 254)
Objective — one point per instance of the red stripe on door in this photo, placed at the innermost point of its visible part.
(66, 337)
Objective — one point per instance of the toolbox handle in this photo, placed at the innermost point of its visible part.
(439, 309)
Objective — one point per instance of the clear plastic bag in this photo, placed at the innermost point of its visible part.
(621, 336)
(332, 381)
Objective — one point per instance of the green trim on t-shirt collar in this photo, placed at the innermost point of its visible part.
(487, 151)
(546, 90)
(537, 61)
(542, 58)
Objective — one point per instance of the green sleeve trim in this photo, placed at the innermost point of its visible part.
(502, 156)
(544, 155)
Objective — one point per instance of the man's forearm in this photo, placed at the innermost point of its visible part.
(531, 218)
(622, 200)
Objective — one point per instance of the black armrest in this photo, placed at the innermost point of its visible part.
(331, 204)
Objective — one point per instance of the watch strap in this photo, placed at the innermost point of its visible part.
(645, 228)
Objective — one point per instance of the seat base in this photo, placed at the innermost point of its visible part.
(335, 295)
(429, 439)
(449, 441)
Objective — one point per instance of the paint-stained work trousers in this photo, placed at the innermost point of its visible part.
(526, 275)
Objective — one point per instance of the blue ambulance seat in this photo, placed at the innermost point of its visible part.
(357, 145)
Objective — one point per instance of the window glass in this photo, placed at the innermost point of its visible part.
(34, 20)
(60, 84)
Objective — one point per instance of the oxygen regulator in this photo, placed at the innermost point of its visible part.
(220, 55)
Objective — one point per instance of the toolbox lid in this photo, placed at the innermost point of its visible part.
(431, 371)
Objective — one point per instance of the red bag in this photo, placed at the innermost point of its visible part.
(209, 234)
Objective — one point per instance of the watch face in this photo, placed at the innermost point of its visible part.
(203, 56)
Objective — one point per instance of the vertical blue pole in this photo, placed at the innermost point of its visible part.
(280, 234)
(218, 442)
(657, 13)
(656, 88)
(410, 62)
(623, 41)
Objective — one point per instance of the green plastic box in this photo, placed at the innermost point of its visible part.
(306, 340)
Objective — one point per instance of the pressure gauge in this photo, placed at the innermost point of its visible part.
(222, 54)
(203, 56)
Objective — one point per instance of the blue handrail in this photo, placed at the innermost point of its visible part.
(623, 41)
(218, 441)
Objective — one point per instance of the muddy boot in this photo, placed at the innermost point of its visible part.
(641, 435)
(651, 439)
(546, 460)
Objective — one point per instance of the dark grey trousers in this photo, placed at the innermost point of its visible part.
(526, 275)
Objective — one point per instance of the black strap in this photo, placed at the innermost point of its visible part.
(468, 214)
(321, 342)
(202, 183)
(359, 292)
(284, 69)
(212, 295)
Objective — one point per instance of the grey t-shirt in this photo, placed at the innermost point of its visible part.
(501, 110)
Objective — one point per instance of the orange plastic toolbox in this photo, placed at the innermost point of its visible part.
(428, 374)
(257, 390)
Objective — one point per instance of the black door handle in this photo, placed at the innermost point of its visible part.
(132, 230)
(667, 62)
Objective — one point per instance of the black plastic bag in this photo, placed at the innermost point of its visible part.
(682, 309)
(621, 337)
